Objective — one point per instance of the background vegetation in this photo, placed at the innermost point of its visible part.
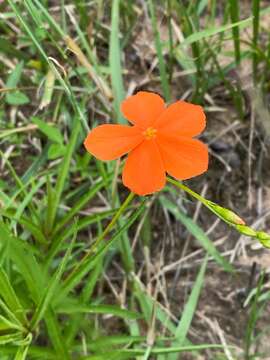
(170, 281)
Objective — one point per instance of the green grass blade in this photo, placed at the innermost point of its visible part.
(53, 283)
(22, 353)
(73, 280)
(25, 261)
(63, 172)
(65, 234)
(37, 163)
(189, 309)
(204, 34)
(158, 45)
(115, 61)
(30, 33)
(10, 338)
(9, 296)
(55, 335)
(253, 317)
(198, 233)
(29, 225)
(6, 310)
(131, 353)
(81, 203)
(256, 22)
(50, 63)
(234, 13)
(36, 352)
(98, 309)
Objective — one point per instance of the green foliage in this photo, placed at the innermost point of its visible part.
(15, 97)
(77, 279)
(52, 132)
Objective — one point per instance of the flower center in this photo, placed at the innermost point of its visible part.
(150, 133)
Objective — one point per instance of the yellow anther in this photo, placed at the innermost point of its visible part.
(150, 133)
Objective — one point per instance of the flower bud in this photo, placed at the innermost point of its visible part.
(246, 230)
(264, 238)
(226, 214)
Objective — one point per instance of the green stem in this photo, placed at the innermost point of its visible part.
(223, 214)
(226, 215)
(188, 190)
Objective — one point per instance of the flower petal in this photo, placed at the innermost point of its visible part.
(183, 157)
(109, 142)
(182, 118)
(144, 170)
(143, 108)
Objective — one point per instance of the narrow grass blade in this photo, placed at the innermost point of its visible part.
(81, 203)
(158, 44)
(256, 22)
(97, 309)
(35, 280)
(73, 280)
(253, 317)
(8, 312)
(29, 225)
(115, 61)
(189, 309)
(36, 352)
(22, 353)
(198, 233)
(236, 93)
(131, 353)
(147, 303)
(6, 324)
(30, 33)
(9, 296)
(37, 163)
(119, 339)
(74, 47)
(64, 84)
(63, 172)
(51, 288)
(10, 338)
(25, 261)
(192, 27)
(59, 239)
(20, 185)
(204, 34)
(234, 13)
(55, 335)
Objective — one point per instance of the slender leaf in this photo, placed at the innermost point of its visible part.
(9, 296)
(198, 233)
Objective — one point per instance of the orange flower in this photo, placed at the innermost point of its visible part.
(160, 141)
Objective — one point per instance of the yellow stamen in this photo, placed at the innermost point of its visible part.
(150, 133)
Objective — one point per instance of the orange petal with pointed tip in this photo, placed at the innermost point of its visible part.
(143, 108)
(109, 142)
(144, 170)
(181, 118)
(183, 157)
